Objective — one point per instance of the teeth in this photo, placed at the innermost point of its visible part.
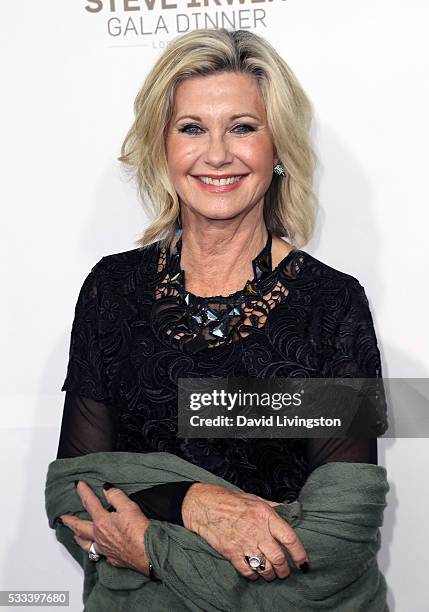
(224, 181)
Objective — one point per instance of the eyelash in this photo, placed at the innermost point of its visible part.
(184, 129)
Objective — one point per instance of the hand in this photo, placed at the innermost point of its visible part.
(119, 536)
(238, 524)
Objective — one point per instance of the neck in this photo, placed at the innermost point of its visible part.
(219, 263)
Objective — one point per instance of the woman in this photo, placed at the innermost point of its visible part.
(220, 146)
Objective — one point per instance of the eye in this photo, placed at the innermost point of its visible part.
(244, 128)
(190, 128)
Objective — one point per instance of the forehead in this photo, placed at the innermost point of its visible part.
(218, 94)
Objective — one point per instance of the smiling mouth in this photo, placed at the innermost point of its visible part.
(207, 180)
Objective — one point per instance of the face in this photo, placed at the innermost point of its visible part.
(219, 149)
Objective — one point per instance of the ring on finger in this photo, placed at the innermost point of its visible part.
(256, 562)
(93, 554)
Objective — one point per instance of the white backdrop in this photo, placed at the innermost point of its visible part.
(69, 78)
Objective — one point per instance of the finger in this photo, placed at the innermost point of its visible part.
(83, 543)
(268, 573)
(276, 558)
(117, 498)
(244, 568)
(90, 501)
(80, 527)
(283, 533)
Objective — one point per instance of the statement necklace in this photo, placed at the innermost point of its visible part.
(213, 318)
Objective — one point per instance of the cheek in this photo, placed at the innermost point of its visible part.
(261, 167)
(181, 156)
(258, 156)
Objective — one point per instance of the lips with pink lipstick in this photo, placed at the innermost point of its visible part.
(219, 182)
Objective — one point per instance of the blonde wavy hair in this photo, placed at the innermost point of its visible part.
(290, 203)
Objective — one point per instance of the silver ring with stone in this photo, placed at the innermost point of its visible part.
(256, 562)
(93, 555)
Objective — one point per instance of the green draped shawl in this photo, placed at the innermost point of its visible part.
(337, 516)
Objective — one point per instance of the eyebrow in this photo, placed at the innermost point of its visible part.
(194, 118)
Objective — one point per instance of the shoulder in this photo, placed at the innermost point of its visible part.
(112, 280)
(124, 268)
(336, 288)
(345, 315)
(128, 260)
(115, 275)
(326, 276)
(323, 272)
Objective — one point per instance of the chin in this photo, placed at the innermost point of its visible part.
(214, 214)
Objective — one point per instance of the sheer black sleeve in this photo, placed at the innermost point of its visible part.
(90, 421)
(355, 355)
(90, 427)
(352, 450)
(87, 427)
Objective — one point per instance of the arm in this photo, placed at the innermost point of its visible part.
(356, 450)
(87, 427)
(355, 354)
(206, 503)
(339, 510)
(90, 420)
(337, 517)
(90, 427)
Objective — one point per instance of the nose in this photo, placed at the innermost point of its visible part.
(218, 152)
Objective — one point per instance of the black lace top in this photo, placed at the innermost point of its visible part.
(133, 336)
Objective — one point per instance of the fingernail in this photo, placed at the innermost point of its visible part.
(107, 486)
(304, 567)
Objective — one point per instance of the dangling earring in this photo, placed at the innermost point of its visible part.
(280, 169)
